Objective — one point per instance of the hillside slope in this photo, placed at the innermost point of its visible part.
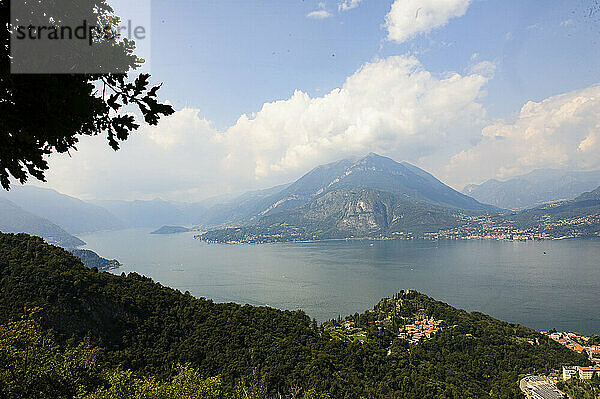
(147, 327)
(72, 214)
(345, 213)
(370, 172)
(14, 219)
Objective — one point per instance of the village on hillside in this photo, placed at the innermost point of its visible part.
(414, 328)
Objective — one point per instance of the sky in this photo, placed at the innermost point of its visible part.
(266, 90)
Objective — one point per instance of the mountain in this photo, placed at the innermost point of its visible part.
(148, 328)
(153, 213)
(367, 196)
(535, 188)
(576, 218)
(591, 196)
(345, 213)
(14, 219)
(372, 172)
(72, 214)
(584, 204)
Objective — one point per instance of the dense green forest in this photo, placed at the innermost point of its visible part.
(578, 389)
(136, 332)
(92, 259)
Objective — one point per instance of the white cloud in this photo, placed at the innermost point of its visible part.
(177, 157)
(484, 68)
(408, 18)
(319, 14)
(348, 4)
(392, 106)
(562, 131)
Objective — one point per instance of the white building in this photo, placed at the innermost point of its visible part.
(569, 372)
(586, 373)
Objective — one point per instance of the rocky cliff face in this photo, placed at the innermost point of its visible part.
(362, 210)
(367, 211)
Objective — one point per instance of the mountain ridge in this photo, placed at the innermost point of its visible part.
(535, 188)
(376, 172)
(72, 214)
(359, 196)
(14, 219)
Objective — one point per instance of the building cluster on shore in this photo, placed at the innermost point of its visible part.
(577, 343)
(493, 228)
(544, 387)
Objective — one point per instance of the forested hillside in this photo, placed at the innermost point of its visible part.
(150, 329)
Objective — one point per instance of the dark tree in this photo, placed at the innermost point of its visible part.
(45, 113)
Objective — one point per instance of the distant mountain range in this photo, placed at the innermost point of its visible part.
(354, 197)
(535, 188)
(585, 205)
(14, 219)
(72, 214)
(153, 213)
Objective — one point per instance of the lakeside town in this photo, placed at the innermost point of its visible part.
(468, 227)
(508, 229)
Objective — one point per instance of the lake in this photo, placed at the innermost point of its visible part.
(542, 284)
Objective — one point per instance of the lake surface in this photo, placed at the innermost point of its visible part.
(544, 284)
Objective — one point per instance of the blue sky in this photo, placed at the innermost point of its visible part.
(229, 57)
(466, 89)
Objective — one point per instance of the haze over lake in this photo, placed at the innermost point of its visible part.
(543, 284)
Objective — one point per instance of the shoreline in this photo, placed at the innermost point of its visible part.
(393, 239)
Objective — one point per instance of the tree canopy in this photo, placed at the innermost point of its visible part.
(46, 113)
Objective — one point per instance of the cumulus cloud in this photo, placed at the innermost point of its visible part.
(408, 18)
(392, 106)
(319, 14)
(348, 4)
(562, 131)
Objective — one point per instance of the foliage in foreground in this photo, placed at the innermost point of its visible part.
(577, 389)
(33, 366)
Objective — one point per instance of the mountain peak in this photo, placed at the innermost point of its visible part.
(376, 158)
(377, 172)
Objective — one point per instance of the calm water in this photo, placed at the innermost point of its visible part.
(539, 284)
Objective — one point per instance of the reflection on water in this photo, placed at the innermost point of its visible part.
(540, 284)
